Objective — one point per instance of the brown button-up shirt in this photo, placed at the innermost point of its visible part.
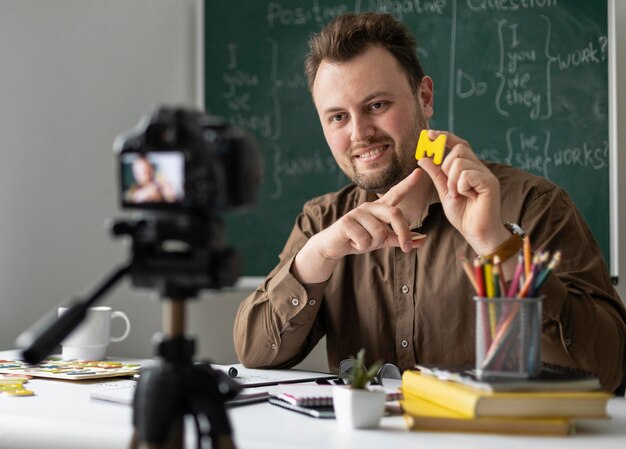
(417, 307)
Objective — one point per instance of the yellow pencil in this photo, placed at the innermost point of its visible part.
(492, 306)
(527, 256)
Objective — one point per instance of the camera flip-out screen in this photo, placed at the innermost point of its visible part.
(153, 179)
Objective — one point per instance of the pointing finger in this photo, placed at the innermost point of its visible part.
(399, 191)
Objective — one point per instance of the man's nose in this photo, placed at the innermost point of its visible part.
(362, 129)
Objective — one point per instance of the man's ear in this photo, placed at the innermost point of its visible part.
(426, 96)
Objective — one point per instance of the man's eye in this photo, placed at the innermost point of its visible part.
(378, 105)
(337, 117)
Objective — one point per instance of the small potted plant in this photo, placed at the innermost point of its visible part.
(356, 406)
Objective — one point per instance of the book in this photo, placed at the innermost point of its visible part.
(319, 395)
(473, 403)
(550, 378)
(57, 368)
(424, 415)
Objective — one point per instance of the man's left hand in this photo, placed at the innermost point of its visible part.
(469, 193)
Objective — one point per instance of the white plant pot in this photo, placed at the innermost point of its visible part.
(358, 409)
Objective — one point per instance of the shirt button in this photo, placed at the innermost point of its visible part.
(274, 346)
(404, 343)
(295, 301)
(405, 289)
(568, 342)
(312, 302)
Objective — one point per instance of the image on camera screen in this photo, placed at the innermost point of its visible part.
(153, 177)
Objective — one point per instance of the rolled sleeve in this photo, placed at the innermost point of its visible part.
(275, 325)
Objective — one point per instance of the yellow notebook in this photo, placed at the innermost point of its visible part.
(475, 403)
(427, 416)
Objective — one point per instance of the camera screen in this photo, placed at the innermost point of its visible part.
(153, 178)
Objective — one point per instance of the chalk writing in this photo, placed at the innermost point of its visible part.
(509, 5)
(277, 14)
(400, 8)
(524, 72)
(592, 53)
(528, 150)
(297, 166)
(466, 86)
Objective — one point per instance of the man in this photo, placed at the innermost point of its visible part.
(357, 268)
(148, 187)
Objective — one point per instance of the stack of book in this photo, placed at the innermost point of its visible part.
(445, 400)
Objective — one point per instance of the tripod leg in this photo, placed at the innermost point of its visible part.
(134, 441)
(175, 442)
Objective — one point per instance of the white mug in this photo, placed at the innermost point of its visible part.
(91, 338)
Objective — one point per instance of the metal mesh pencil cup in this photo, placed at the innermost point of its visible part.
(508, 337)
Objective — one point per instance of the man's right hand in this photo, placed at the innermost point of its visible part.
(369, 227)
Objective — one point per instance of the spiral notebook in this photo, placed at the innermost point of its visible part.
(318, 396)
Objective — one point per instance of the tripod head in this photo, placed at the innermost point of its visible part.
(179, 256)
(179, 168)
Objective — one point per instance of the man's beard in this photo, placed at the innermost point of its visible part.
(401, 164)
(383, 181)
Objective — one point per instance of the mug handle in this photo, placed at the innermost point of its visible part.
(122, 315)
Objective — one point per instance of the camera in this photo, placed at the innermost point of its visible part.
(178, 168)
(187, 162)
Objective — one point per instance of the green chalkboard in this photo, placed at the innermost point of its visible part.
(524, 81)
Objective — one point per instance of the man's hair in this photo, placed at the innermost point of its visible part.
(349, 35)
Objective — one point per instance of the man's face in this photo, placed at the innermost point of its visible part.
(142, 171)
(371, 118)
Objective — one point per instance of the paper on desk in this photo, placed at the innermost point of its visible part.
(123, 391)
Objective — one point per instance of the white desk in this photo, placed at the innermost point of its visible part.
(62, 416)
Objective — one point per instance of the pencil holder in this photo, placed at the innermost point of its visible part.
(508, 337)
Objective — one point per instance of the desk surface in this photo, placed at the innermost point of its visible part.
(62, 416)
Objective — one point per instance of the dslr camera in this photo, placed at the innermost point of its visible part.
(178, 169)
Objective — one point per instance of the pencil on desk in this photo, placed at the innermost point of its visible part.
(490, 293)
(480, 280)
(497, 271)
(480, 284)
(527, 255)
(467, 267)
(516, 276)
(526, 287)
(556, 259)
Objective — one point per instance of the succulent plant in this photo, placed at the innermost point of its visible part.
(359, 376)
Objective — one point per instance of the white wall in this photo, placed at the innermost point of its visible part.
(74, 74)
(620, 63)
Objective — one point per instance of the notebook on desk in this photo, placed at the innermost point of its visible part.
(123, 392)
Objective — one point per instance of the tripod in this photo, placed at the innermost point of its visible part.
(176, 387)
(166, 392)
